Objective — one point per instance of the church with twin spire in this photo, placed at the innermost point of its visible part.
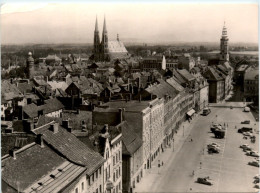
(105, 50)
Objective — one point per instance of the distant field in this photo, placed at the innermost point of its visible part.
(251, 53)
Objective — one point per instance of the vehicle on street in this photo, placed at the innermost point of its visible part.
(247, 134)
(252, 153)
(244, 145)
(215, 126)
(245, 129)
(213, 145)
(256, 186)
(256, 181)
(246, 109)
(245, 122)
(213, 150)
(206, 111)
(256, 176)
(219, 133)
(253, 163)
(205, 181)
(245, 149)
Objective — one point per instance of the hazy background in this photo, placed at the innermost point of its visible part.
(147, 23)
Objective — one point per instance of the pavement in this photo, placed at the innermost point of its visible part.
(228, 169)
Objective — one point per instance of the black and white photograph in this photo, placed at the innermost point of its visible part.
(128, 97)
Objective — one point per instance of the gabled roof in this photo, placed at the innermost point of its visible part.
(29, 166)
(173, 82)
(131, 141)
(9, 91)
(162, 89)
(186, 75)
(70, 147)
(212, 74)
(178, 77)
(50, 105)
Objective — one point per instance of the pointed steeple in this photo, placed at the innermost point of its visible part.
(96, 25)
(104, 26)
(224, 30)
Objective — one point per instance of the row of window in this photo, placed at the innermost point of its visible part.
(116, 174)
(92, 177)
(117, 158)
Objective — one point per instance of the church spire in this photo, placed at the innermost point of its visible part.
(96, 25)
(104, 26)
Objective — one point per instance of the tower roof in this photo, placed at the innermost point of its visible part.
(104, 25)
(96, 25)
(224, 31)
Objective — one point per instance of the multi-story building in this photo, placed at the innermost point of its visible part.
(186, 62)
(57, 162)
(251, 85)
(216, 83)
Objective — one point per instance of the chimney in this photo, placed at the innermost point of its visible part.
(121, 114)
(140, 98)
(31, 124)
(39, 140)
(12, 153)
(54, 127)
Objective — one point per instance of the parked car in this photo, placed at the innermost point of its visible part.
(205, 180)
(219, 133)
(206, 111)
(246, 109)
(256, 181)
(245, 149)
(245, 122)
(256, 186)
(253, 163)
(256, 176)
(213, 150)
(245, 129)
(252, 153)
(244, 145)
(215, 126)
(212, 146)
(247, 134)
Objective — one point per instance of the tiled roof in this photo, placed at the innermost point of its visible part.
(212, 74)
(131, 141)
(29, 166)
(9, 91)
(132, 105)
(24, 87)
(178, 77)
(116, 47)
(50, 105)
(161, 89)
(175, 84)
(54, 85)
(186, 74)
(70, 147)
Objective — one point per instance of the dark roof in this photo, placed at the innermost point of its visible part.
(15, 141)
(24, 87)
(162, 89)
(131, 141)
(29, 166)
(50, 105)
(186, 75)
(70, 147)
(178, 77)
(212, 74)
(132, 105)
(174, 83)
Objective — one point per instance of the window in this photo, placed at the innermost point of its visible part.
(113, 160)
(106, 174)
(97, 190)
(119, 171)
(109, 171)
(76, 190)
(119, 185)
(97, 174)
(89, 181)
(82, 186)
(100, 188)
(119, 153)
(114, 177)
(116, 158)
(93, 178)
(100, 171)
(116, 174)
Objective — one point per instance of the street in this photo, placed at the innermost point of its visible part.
(228, 169)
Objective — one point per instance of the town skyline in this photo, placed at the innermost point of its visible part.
(182, 23)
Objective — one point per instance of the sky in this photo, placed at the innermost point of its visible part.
(142, 23)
